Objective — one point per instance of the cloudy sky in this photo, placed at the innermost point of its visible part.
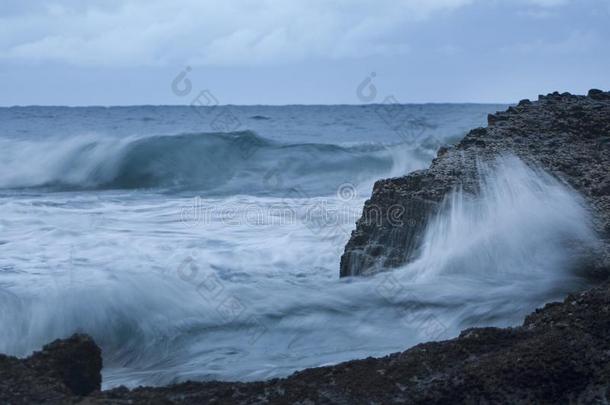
(123, 52)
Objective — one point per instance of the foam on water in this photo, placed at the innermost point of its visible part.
(193, 254)
(230, 297)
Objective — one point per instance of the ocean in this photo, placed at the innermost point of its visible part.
(204, 243)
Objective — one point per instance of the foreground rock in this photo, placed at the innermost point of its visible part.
(62, 370)
(561, 354)
(567, 135)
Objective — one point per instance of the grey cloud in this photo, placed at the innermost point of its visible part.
(238, 32)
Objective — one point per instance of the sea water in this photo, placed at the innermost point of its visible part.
(204, 243)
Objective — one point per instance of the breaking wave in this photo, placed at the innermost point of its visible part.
(240, 162)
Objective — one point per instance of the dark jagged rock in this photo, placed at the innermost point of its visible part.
(76, 361)
(598, 94)
(58, 374)
(567, 135)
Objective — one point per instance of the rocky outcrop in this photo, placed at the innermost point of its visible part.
(76, 362)
(561, 354)
(61, 372)
(567, 135)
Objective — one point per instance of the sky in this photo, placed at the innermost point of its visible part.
(132, 52)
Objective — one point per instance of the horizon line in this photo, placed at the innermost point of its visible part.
(247, 105)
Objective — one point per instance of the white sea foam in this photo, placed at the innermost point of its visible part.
(244, 300)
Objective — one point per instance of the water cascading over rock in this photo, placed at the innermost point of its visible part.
(566, 135)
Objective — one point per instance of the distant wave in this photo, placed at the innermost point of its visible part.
(239, 162)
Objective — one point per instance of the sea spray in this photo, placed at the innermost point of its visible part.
(92, 240)
(488, 259)
(518, 242)
(522, 222)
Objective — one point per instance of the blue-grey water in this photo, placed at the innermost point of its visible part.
(205, 243)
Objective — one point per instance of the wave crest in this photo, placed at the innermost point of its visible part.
(224, 162)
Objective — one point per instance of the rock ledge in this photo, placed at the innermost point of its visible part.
(567, 135)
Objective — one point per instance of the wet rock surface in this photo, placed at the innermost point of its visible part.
(62, 371)
(566, 135)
